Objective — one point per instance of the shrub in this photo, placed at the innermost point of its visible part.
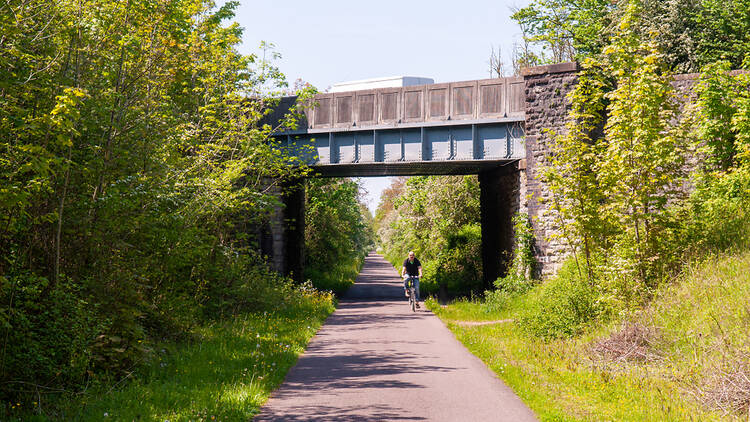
(717, 214)
(563, 306)
(458, 268)
(46, 331)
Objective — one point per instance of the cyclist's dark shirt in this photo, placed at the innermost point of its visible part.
(412, 268)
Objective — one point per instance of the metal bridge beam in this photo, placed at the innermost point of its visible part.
(377, 150)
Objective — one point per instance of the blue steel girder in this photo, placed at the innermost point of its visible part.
(457, 147)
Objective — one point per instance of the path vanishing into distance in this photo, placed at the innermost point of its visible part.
(375, 360)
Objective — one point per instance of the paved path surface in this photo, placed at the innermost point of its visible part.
(375, 360)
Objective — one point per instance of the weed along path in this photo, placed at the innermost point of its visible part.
(375, 360)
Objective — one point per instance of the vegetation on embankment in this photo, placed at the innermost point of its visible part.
(682, 357)
(225, 371)
(648, 318)
(137, 186)
(339, 233)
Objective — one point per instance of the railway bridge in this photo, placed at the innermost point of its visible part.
(492, 128)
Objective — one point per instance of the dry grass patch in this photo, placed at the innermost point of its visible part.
(728, 389)
(634, 342)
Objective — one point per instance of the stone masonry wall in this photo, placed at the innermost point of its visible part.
(547, 108)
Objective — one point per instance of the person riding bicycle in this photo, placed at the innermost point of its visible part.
(413, 268)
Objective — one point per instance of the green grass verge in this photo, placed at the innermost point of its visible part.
(701, 324)
(226, 375)
(337, 279)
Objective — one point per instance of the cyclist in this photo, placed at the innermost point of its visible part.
(413, 268)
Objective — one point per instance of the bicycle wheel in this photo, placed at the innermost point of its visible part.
(413, 300)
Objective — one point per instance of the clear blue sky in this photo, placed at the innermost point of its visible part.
(325, 41)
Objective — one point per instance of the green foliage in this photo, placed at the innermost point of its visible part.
(134, 172)
(572, 171)
(620, 163)
(226, 372)
(565, 29)
(723, 31)
(619, 183)
(721, 116)
(457, 267)
(563, 306)
(716, 215)
(522, 272)
(338, 234)
(46, 330)
(642, 164)
(690, 33)
(438, 218)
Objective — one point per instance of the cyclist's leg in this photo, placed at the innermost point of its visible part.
(416, 288)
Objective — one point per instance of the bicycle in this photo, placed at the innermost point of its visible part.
(412, 293)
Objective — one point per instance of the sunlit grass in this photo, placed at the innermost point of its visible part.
(703, 320)
(226, 375)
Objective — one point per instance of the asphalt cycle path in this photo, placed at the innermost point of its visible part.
(376, 360)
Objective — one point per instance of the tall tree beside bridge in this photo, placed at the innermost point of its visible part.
(617, 168)
(690, 33)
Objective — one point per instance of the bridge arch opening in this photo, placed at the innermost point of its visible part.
(500, 191)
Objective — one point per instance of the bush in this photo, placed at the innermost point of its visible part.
(458, 268)
(47, 330)
(717, 215)
(563, 306)
(338, 278)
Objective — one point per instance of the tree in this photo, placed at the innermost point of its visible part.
(620, 163)
(337, 233)
(643, 159)
(572, 172)
(565, 29)
(130, 144)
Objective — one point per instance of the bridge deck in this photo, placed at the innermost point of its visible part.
(450, 128)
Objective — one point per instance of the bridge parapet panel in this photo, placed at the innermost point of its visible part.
(413, 104)
(464, 100)
(497, 98)
(344, 109)
(438, 96)
(389, 105)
